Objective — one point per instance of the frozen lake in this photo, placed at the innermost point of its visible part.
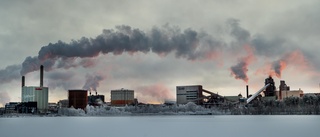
(162, 126)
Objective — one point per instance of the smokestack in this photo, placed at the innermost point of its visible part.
(41, 76)
(247, 91)
(23, 81)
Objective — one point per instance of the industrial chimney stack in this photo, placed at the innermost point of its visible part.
(41, 76)
(23, 81)
(247, 91)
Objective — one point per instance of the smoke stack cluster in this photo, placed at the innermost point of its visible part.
(23, 83)
(41, 76)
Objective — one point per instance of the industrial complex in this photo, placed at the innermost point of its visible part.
(34, 99)
(200, 96)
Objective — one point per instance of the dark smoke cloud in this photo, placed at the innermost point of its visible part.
(92, 82)
(269, 46)
(278, 67)
(126, 39)
(10, 73)
(239, 71)
(31, 64)
(67, 63)
(187, 44)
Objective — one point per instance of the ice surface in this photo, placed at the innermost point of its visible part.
(162, 126)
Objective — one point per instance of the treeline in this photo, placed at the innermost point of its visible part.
(307, 105)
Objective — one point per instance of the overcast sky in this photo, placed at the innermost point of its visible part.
(154, 46)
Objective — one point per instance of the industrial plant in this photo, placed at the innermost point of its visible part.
(34, 99)
(200, 96)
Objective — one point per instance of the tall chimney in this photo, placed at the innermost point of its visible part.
(41, 76)
(23, 81)
(247, 91)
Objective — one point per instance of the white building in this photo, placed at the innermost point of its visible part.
(122, 97)
(187, 94)
(36, 94)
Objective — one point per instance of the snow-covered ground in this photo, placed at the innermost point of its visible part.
(162, 126)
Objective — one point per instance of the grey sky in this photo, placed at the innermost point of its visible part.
(273, 29)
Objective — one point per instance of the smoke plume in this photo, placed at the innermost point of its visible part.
(278, 67)
(188, 44)
(92, 82)
(10, 73)
(239, 71)
(294, 58)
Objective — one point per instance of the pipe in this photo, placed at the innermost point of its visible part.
(257, 93)
(23, 81)
(41, 76)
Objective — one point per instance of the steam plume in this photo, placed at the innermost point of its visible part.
(157, 92)
(92, 82)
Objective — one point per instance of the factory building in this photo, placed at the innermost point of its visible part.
(270, 90)
(95, 100)
(37, 94)
(282, 88)
(190, 93)
(11, 107)
(78, 98)
(291, 93)
(284, 91)
(27, 107)
(122, 97)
